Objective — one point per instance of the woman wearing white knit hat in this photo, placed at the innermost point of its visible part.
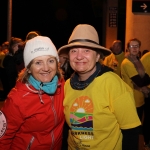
(32, 116)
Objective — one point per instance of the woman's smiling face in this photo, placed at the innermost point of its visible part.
(43, 68)
(83, 60)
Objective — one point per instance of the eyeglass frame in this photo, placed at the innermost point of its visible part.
(134, 46)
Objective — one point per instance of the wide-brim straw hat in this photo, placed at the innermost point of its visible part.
(84, 35)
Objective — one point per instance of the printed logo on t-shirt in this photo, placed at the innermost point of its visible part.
(3, 124)
(81, 118)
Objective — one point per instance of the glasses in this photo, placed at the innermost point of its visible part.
(134, 46)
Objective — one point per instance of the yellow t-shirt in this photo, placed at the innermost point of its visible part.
(114, 62)
(97, 114)
(128, 70)
(146, 62)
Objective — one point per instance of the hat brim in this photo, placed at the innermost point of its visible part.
(65, 49)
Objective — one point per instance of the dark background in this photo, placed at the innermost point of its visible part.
(56, 18)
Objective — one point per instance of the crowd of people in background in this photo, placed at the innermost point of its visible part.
(107, 88)
(11, 62)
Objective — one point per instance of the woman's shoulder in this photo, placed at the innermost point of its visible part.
(110, 75)
(18, 91)
(145, 56)
(110, 83)
(126, 62)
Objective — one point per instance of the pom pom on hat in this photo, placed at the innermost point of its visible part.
(39, 46)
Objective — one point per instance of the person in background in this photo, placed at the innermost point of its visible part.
(133, 73)
(2, 74)
(67, 71)
(18, 57)
(62, 59)
(139, 54)
(115, 59)
(32, 116)
(5, 46)
(126, 53)
(3, 77)
(65, 66)
(31, 35)
(10, 62)
(99, 107)
(145, 51)
(3, 52)
(146, 121)
(101, 60)
(2, 56)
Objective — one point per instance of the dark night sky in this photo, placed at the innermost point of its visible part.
(53, 18)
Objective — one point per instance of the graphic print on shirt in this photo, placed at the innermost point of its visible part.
(3, 124)
(81, 118)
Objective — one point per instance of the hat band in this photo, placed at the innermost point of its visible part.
(83, 40)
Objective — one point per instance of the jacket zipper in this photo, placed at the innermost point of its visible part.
(55, 120)
(31, 141)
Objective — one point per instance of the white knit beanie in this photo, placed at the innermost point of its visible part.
(39, 46)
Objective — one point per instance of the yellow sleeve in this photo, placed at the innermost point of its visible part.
(128, 68)
(146, 62)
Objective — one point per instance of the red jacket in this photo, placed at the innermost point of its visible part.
(31, 124)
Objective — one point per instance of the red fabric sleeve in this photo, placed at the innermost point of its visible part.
(14, 120)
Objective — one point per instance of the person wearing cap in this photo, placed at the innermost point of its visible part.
(99, 107)
(32, 116)
(115, 59)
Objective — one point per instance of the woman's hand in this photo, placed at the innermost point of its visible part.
(145, 90)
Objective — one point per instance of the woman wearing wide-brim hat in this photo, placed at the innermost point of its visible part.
(99, 107)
